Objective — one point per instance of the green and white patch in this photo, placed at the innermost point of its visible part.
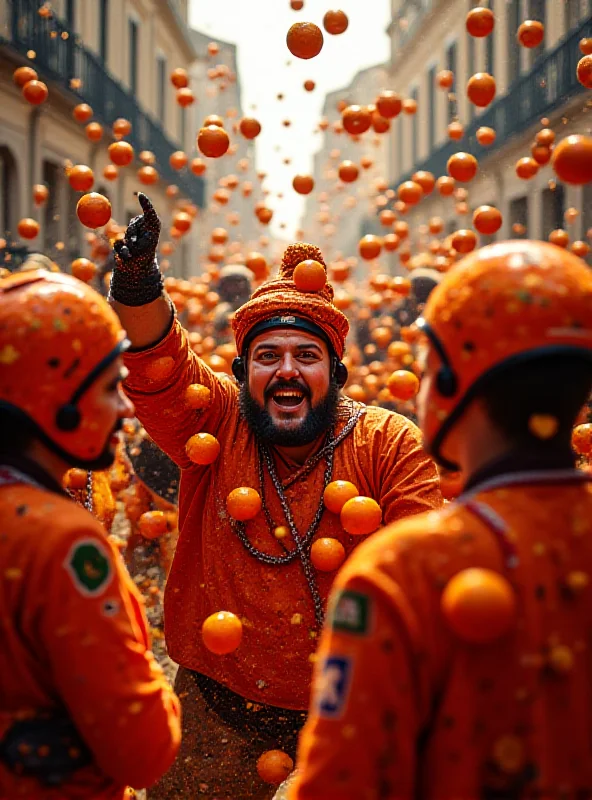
(350, 612)
(89, 565)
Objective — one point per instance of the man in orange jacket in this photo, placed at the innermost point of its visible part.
(85, 710)
(455, 662)
(285, 433)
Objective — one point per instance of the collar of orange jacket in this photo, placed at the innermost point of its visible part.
(32, 470)
(523, 461)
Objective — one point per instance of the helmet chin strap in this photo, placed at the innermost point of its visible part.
(102, 461)
(68, 416)
(446, 384)
(434, 450)
(493, 374)
(446, 378)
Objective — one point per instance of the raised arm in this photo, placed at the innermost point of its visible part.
(157, 384)
(136, 291)
(161, 362)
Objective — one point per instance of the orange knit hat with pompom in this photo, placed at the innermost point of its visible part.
(280, 298)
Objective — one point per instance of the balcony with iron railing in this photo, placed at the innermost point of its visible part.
(546, 88)
(60, 59)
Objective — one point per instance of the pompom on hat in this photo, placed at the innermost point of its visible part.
(279, 298)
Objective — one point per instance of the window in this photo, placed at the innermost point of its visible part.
(414, 127)
(451, 65)
(133, 55)
(537, 10)
(69, 44)
(519, 217)
(553, 209)
(4, 226)
(513, 51)
(587, 212)
(485, 239)
(103, 28)
(571, 13)
(470, 63)
(161, 84)
(8, 191)
(400, 148)
(181, 6)
(51, 225)
(70, 16)
(490, 46)
(431, 108)
(182, 125)
(73, 237)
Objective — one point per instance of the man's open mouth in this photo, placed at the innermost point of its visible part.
(288, 398)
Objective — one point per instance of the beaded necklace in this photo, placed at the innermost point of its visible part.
(302, 543)
(88, 500)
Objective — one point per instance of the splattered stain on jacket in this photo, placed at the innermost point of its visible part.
(75, 644)
(405, 708)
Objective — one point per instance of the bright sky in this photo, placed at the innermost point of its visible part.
(259, 29)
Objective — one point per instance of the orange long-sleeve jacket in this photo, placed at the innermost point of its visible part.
(403, 708)
(212, 570)
(74, 643)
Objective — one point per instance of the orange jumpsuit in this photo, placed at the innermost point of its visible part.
(212, 569)
(403, 709)
(74, 642)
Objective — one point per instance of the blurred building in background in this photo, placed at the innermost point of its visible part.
(233, 178)
(117, 56)
(532, 84)
(336, 212)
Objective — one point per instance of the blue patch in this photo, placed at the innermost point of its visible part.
(332, 686)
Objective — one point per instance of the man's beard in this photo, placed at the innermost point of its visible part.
(317, 421)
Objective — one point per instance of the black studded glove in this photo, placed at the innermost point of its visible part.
(136, 278)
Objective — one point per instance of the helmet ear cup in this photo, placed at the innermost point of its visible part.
(238, 369)
(68, 417)
(340, 373)
(446, 382)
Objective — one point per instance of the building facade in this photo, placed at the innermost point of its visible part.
(532, 85)
(336, 213)
(216, 72)
(117, 56)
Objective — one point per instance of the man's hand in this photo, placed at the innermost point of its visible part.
(141, 237)
(136, 278)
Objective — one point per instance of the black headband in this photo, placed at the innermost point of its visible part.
(286, 321)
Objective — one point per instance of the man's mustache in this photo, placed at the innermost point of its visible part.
(289, 386)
